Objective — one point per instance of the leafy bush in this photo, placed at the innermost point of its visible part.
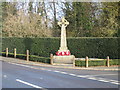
(80, 46)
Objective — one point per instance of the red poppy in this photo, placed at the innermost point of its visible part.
(63, 53)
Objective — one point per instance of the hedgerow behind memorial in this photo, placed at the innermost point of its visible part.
(80, 47)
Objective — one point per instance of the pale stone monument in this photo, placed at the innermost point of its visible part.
(63, 55)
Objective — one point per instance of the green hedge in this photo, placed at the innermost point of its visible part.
(31, 58)
(82, 63)
(80, 47)
(79, 63)
(21, 56)
(115, 62)
(39, 59)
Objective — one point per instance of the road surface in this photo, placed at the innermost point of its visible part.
(26, 76)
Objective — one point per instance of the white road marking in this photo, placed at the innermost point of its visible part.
(102, 80)
(21, 65)
(5, 76)
(101, 75)
(21, 81)
(56, 71)
(115, 83)
(82, 76)
(27, 66)
(41, 78)
(92, 78)
(63, 72)
(72, 74)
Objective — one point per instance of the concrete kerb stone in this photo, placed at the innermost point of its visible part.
(19, 61)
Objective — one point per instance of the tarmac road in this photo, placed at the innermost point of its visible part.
(26, 76)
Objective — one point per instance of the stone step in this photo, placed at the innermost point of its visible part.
(63, 65)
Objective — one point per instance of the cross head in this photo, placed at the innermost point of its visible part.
(63, 22)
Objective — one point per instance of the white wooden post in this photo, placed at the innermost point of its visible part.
(27, 55)
(108, 61)
(6, 52)
(86, 61)
(51, 59)
(14, 52)
(74, 62)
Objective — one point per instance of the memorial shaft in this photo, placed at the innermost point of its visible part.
(63, 43)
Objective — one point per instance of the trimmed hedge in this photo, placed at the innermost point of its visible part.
(115, 62)
(79, 63)
(21, 56)
(82, 63)
(31, 58)
(39, 59)
(92, 47)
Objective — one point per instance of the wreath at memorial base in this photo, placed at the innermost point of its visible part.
(63, 53)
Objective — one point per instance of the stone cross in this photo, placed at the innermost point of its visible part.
(63, 44)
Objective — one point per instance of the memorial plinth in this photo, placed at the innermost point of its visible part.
(64, 59)
(63, 55)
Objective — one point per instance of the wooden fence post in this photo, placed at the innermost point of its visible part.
(74, 62)
(108, 61)
(86, 59)
(6, 52)
(14, 52)
(27, 55)
(51, 59)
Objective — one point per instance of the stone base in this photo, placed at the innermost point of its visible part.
(64, 59)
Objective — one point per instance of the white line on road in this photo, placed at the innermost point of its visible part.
(101, 75)
(82, 76)
(92, 78)
(72, 74)
(104, 80)
(41, 78)
(5, 76)
(115, 83)
(63, 72)
(27, 66)
(56, 71)
(21, 81)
